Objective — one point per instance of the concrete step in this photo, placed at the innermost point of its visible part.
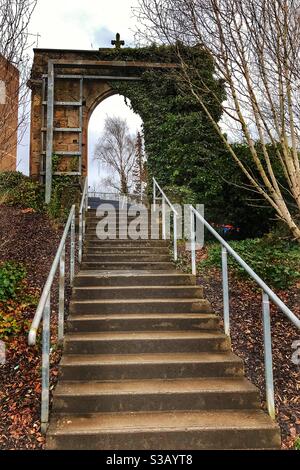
(126, 227)
(145, 342)
(123, 227)
(129, 251)
(137, 306)
(152, 395)
(93, 227)
(114, 279)
(93, 221)
(145, 365)
(119, 235)
(117, 216)
(143, 322)
(127, 243)
(112, 221)
(142, 292)
(183, 430)
(90, 228)
(149, 366)
(123, 214)
(134, 265)
(132, 212)
(117, 257)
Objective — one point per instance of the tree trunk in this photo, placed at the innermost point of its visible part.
(124, 185)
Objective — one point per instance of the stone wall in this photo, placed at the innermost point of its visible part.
(9, 103)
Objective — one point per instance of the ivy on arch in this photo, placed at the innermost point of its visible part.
(179, 140)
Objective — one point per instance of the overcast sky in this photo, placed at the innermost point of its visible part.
(88, 24)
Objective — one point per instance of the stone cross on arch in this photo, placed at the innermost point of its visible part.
(117, 42)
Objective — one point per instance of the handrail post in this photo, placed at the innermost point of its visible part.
(72, 251)
(61, 309)
(193, 243)
(268, 356)
(84, 222)
(45, 365)
(164, 235)
(175, 236)
(82, 215)
(154, 195)
(86, 197)
(225, 292)
(80, 240)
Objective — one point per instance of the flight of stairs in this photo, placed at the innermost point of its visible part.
(145, 363)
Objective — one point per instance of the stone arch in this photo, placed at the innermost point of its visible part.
(144, 75)
(66, 87)
(98, 100)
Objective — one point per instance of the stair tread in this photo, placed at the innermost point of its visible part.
(152, 358)
(126, 251)
(103, 423)
(134, 288)
(131, 273)
(142, 316)
(156, 386)
(130, 256)
(131, 262)
(141, 301)
(143, 335)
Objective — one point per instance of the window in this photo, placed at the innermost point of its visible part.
(2, 92)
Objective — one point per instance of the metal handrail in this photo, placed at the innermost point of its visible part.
(156, 185)
(43, 310)
(165, 200)
(267, 295)
(292, 317)
(82, 222)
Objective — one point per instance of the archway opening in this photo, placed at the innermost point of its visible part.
(105, 173)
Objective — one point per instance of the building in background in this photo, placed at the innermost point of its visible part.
(9, 104)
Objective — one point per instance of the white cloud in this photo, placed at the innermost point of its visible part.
(74, 24)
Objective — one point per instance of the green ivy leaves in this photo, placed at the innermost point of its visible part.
(11, 276)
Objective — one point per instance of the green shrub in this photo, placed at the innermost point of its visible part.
(297, 444)
(19, 190)
(28, 194)
(181, 195)
(10, 179)
(11, 277)
(65, 192)
(277, 262)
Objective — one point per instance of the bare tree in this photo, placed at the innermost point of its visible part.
(139, 169)
(15, 17)
(255, 46)
(110, 184)
(116, 150)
